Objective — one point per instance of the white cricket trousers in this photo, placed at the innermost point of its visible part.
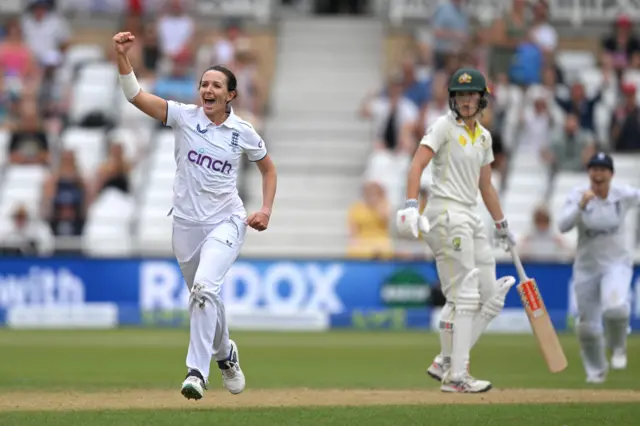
(459, 244)
(205, 254)
(458, 241)
(602, 296)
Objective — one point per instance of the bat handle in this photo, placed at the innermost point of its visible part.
(518, 263)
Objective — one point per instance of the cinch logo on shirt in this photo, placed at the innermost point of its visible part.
(207, 162)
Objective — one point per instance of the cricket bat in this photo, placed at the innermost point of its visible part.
(541, 324)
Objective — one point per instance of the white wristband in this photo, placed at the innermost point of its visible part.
(130, 86)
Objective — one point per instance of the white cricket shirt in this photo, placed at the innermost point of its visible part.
(601, 225)
(459, 156)
(207, 163)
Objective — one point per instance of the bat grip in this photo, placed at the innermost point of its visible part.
(518, 263)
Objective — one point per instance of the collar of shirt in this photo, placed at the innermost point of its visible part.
(461, 123)
(231, 122)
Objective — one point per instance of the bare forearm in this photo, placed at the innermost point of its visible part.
(124, 65)
(413, 180)
(492, 202)
(269, 184)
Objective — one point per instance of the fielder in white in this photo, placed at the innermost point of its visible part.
(460, 150)
(209, 218)
(603, 266)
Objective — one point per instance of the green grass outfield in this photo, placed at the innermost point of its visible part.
(130, 376)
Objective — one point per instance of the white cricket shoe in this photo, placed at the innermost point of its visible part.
(596, 379)
(232, 375)
(193, 386)
(437, 368)
(619, 360)
(468, 384)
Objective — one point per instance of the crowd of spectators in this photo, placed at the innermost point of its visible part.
(36, 95)
(536, 107)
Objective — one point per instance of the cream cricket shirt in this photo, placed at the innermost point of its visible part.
(459, 156)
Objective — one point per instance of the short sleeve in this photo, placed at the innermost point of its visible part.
(435, 136)
(175, 113)
(488, 151)
(253, 146)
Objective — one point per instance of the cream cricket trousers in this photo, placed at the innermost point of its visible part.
(205, 254)
(459, 243)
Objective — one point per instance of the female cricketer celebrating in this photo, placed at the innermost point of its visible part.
(602, 269)
(209, 219)
(460, 150)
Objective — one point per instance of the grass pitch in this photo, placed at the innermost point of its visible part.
(132, 376)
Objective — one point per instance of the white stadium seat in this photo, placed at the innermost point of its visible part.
(89, 148)
(22, 185)
(78, 54)
(90, 98)
(572, 61)
(102, 73)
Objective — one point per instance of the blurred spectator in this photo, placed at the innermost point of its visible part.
(527, 63)
(150, 50)
(543, 33)
(537, 125)
(394, 118)
(224, 47)
(477, 53)
(249, 102)
(45, 31)
(50, 95)
(505, 102)
(416, 90)
(178, 84)
(621, 45)
(549, 87)
(29, 143)
(542, 242)
(176, 30)
(114, 172)
(625, 122)
(450, 25)
(5, 103)
(507, 33)
(571, 146)
(26, 237)
(581, 105)
(15, 57)
(65, 198)
(500, 163)
(439, 103)
(369, 224)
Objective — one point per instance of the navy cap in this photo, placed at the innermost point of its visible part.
(601, 159)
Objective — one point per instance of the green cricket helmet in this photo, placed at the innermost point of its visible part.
(468, 80)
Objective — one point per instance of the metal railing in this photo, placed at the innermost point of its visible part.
(576, 12)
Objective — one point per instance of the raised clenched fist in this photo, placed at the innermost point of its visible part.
(586, 197)
(122, 42)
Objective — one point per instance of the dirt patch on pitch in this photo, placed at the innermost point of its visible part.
(164, 399)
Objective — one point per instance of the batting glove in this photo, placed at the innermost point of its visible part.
(503, 233)
(410, 222)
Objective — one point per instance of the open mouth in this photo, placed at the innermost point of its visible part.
(209, 102)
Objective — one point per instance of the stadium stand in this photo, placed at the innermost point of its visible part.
(576, 55)
(303, 87)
